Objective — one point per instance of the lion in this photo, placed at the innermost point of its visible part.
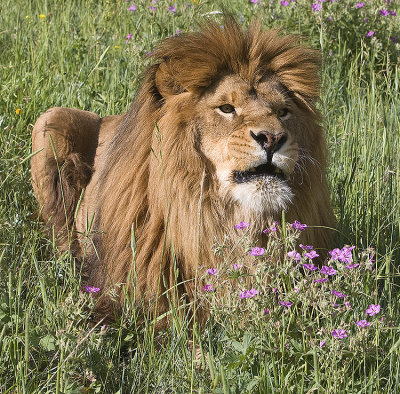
(224, 128)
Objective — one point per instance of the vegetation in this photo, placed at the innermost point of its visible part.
(340, 335)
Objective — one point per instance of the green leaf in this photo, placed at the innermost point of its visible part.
(48, 343)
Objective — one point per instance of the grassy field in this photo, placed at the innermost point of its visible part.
(76, 53)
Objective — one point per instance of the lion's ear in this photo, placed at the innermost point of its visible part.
(167, 80)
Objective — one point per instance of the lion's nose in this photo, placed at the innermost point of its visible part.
(270, 141)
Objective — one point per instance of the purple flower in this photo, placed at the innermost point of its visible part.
(339, 333)
(132, 7)
(335, 253)
(316, 6)
(275, 290)
(347, 255)
(271, 229)
(371, 256)
(363, 323)
(384, 12)
(347, 304)
(294, 255)
(91, 289)
(344, 255)
(351, 266)
(248, 293)
(128, 37)
(393, 13)
(321, 280)
(328, 270)
(299, 226)
(237, 266)
(322, 343)
(152, 8)
(359, 5)
(310, 267)
(212, 271)
(338, 294)
(208, 288)
(285, 3)
(267, 311)
(370, 33)
(171, 8)
(373, 310)
(393, 39)
(286, 304)
(257, 251)
(306, 247)
(241, 225)
(254, 1)
(253, 292)
(311, 255)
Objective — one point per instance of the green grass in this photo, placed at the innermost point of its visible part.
(77, 56)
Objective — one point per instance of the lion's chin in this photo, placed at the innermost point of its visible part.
(268, 195)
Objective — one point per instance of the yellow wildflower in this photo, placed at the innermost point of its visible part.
(18, 111)
(117, 46)
(42, 16)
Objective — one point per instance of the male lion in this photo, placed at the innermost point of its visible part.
(224, 129)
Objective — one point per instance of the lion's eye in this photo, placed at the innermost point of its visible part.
(283, 113)
(227, 108)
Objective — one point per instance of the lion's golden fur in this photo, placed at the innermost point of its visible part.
(156, 181)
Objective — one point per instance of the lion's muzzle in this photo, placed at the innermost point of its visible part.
(269, 141)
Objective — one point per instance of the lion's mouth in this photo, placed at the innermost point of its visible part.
(262, 171)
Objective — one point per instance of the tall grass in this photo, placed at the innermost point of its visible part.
(75, 54)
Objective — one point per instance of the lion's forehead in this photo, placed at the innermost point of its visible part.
(232, 89)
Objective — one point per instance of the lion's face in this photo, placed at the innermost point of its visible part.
(248, 137)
